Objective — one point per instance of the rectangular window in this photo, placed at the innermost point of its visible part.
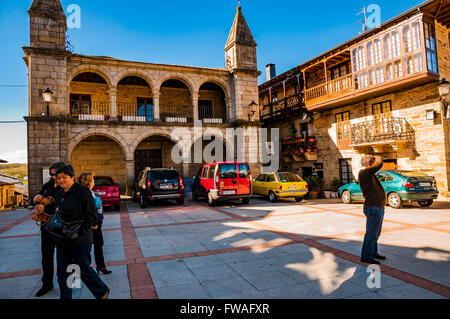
(383, 107)
(346, 170)
(370, 53)
(387, 47)
(80, 104)
(380, 75)
(389, 72)
(396, 44)
(362, 58)
(409, 65)
(407, 43)
(398, 69)
(145, 108)
(418, 64)
(430, 45)
(355, 60)
(416, 36)
(364, 82)
(372, 79)
(244, 171)
(377, 51)
(212, 170)
(343, 125)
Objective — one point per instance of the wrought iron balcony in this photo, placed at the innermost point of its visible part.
(282, 108)
(389, 130)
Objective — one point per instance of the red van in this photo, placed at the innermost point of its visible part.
(223, 181)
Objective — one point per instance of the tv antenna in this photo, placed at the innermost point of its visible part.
(363, 21)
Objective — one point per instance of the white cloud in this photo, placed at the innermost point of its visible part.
(17, 156)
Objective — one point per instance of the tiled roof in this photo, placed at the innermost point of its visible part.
(8, 179)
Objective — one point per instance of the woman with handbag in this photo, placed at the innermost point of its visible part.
(87, 180)
(72, 226)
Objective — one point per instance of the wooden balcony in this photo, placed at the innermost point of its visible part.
(329, 90)
(282, 109)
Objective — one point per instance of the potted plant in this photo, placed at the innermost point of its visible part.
(314, 184)
(335, 185)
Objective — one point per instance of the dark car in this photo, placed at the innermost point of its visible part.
(160, 183)
(108, 190)
(223, 181)
(400, 186)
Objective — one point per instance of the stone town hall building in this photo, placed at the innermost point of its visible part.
(115, 117)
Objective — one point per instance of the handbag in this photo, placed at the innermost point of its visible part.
(42, 218)
(62, 229)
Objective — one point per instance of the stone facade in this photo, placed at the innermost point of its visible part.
(428, 152)
(107, 145)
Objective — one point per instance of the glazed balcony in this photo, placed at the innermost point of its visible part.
(397, 58)
(282, 109)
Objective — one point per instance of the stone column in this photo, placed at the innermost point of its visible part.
(195, 97)
(113, 97)
(229, 105)
(129, 164)
(156, 113)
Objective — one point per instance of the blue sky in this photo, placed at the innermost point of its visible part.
(288, 32)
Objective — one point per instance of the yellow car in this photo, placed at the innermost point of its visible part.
(280, 185)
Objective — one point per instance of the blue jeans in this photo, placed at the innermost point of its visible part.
(80, 256)
(374, 223)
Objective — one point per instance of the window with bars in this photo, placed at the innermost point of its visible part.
(345, 168)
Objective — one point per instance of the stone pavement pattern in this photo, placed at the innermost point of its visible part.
(284, 250)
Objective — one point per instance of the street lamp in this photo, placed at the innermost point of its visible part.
(444, 89)
(253, 109)
(47, 96)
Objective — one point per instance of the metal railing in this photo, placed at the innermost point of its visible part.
(176, 113)
(382, 129)
(132, 112)
(284, 106)
(212, 115)
(94, 110)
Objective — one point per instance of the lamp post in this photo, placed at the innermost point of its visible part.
(47, 96)
(253, 109)
(444, 89)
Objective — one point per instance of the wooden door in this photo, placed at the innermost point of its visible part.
(147, 158)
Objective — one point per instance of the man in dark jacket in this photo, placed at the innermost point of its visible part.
(375, 201)
(50, 189)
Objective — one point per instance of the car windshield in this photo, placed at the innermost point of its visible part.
(289, 178)
(103, 182)
(169, 174)
(227, 171)
(412, 174)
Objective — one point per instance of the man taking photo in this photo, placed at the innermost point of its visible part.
(375, 201)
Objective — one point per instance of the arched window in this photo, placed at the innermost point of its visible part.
(370, 53)
(396, 44)
(377, 45)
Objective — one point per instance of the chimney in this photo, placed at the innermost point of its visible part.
(270, 71)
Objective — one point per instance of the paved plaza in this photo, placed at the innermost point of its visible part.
(262, 250)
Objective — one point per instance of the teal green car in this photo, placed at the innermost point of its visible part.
(400, 187)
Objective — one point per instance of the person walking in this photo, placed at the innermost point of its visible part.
(48, 245)
(88, 180)
(74, 203)
(375, 201)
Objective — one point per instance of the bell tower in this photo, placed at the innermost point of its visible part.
(48, 25)
(240, 50)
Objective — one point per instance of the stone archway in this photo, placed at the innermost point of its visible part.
(102, 155)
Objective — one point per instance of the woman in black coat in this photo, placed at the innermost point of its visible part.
(74, 203)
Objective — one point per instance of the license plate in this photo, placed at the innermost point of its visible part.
(166, 186)
(229, 192)
(293, 187)
(101, 193)
(425, 184)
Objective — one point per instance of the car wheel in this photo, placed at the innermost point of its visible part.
(180, 201)
(211, 201)
(395, 201)
(427, 203)
(346, 197)
(245, 201)
(272, 197)
(143, 202)
(298, 199)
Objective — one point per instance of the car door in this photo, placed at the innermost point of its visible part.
(203, 181)
(356, 192)
(270, 184)
(386, 180)
(258, 185)
(243, 179)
